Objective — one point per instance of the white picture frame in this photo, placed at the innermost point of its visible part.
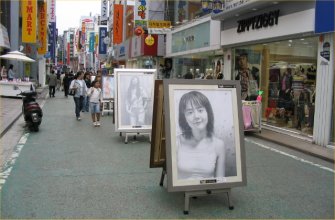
(134, 105)
(108, 87)
(220, 155)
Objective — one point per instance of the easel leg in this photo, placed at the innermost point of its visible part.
(162, 177)
(126, 140)
(230, 204)
(187, 203)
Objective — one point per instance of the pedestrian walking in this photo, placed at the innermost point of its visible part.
(52, 81)
(66, 83)
(11, 73)
(95, 95)
(87, 79)
(78, 84)
(58, 80)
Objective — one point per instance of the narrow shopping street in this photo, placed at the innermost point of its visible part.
(70, 169)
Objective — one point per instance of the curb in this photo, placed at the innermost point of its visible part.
(10, 125)
(320, 155)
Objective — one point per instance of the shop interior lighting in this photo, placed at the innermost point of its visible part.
(290, 41)
(290, 45)
(254, 9)
(275, 3)
(302, 39)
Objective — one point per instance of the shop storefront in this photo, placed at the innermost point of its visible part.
(195, 48)
(146, 51)
(274, 48)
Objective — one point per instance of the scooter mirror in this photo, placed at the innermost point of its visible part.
(15, 87)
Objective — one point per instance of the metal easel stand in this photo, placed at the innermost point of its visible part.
(162, 176)
(107, 106)
(189, 194)
(134, 134)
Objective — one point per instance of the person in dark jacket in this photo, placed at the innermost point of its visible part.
(52, 80)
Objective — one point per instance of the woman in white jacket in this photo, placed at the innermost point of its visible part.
(79, 85)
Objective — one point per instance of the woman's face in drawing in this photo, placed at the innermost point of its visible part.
(196, 116)
(134, 81)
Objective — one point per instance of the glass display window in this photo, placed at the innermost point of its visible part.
(286, 72)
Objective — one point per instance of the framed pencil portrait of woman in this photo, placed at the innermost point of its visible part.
(134, 100)
(108, 89)
(204, 135)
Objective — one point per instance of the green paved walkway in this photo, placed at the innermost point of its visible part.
(71, 169)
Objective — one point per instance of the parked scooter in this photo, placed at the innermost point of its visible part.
(31, 110)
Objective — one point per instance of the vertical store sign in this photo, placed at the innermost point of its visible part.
(71, 45)
(141, 13)
(102, 35)
(83, 33)
(68, 54)
(118, 24)
(52, 32)
(29, 14)
(52, 12)
(104, 12)
(42, 28)
(92, 40)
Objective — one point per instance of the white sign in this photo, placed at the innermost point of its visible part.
(4, 40)
(234, 4)
(52, 11)
(104, 10)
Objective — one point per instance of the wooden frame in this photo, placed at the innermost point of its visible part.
(134, 104)
(224, 112)
(158, 142)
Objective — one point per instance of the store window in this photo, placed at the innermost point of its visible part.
(286, 72)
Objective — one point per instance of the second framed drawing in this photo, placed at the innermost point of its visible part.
(134, 100)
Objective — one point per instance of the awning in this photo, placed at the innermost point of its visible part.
(4, 40)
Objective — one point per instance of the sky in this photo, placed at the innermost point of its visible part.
(68, 12)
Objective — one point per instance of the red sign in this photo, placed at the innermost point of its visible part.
(118, 23)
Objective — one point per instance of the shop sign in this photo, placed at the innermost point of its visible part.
(326, 51)
(102, 35)
(52, 11)
(118, 24)
(51, 39)
(68, 54)
(324, 16)
(234, 4)
(104, 16)
(122, 51)
(159, 24)
(192, 38)
(92, 39)
(149, 40)
(4, 40)
(42, 28)
(258, 21)
(141, 13)
(71, 44)
(29, 14)
(129, 21)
